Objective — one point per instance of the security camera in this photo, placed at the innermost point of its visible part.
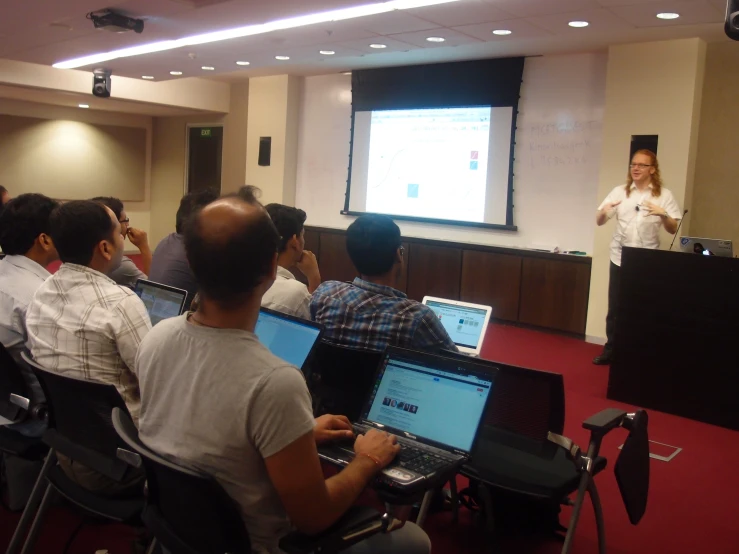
(731, 26)
(101, 83)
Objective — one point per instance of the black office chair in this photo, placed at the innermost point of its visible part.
(340, 378)
(631, 469)
(79, 427)
(189, 512)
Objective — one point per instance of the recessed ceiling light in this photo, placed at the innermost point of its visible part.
(84, 105)
(435, 39)
(501, 32)
(175, 72)
(578, 24)
(242, 63)
(341, 14)
(208, 68)
(668, 15)
(282, 58)
(327, 52)
(378, 46)
(147, 77)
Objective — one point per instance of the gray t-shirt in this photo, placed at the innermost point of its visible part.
(127, 273)
(169, 266)
(218, 401)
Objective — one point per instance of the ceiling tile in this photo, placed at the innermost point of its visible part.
(691, 12)
(520, 28)
(392, 44)
(391, 23)
(531, 8)
(452, 38)
(600, 20)
(461, 13)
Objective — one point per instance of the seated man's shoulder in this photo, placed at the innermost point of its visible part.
(331, 287)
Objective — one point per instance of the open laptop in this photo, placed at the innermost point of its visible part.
(286, 336)
(434, 405)
(707, 247)
(161, 301)
(465, 323)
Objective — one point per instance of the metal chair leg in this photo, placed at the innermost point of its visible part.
(37, 494)
(38, 521)
(598, 510)
(454, 498)
(425, 505)
(584, 479)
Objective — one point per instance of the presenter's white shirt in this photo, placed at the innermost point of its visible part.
(288, 295)
(634, 227)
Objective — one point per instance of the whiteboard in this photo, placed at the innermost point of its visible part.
(556, 167)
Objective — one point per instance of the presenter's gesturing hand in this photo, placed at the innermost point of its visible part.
(606, 213)
(654, 209)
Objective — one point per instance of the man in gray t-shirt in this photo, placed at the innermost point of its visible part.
(214, 398)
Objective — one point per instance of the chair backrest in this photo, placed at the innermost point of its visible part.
(79, 424)
(341, 378)
(188, 511)
(632, 467)
(11, 382)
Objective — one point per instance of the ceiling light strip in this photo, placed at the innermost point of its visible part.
(251, 30)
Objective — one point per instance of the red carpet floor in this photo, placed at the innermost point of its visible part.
(693, 501)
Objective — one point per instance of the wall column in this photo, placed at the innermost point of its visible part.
(274, 105)
(651, 89)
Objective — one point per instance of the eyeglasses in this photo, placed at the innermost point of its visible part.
(640, 166)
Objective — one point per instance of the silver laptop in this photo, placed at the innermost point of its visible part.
(707, 247)
(287, 337)
(161, 301)
(434, 405)
(465, 323)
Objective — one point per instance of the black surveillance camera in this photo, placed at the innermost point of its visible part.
(101, 83)
(731, 26)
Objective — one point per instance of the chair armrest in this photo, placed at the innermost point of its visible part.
(131, 458)
(358, 524)
(604, 421)
(20, 401)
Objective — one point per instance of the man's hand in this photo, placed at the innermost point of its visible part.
(308, 265)
(332, 427)
(654, 209)
(605, 213)
(378, 446)
(138, 238)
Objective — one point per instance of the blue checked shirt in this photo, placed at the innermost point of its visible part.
(372, 317)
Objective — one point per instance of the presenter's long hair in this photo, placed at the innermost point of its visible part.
(656, 176)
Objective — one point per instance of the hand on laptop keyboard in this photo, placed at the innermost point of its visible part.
(378, 446)
(332, 428)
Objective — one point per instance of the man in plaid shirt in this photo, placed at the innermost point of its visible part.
(370, 313)
(82, 324)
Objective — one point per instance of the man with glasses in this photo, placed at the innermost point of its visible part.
(641, 208)
(371, 313)
(128, 273)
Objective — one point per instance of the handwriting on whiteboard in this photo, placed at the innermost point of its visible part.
(560, 144)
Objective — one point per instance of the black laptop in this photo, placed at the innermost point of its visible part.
(434, 405)
(161, 301)
(288, 337)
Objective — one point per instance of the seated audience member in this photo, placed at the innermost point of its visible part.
(82, 325)
(254, 430)
(4, 196)
(371, 313)
(26, 241)
(128, 273)
(287, 294)
(169, 264)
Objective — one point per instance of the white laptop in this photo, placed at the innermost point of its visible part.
(465, 323)
(707, 247)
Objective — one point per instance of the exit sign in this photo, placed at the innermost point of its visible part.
(205, 132)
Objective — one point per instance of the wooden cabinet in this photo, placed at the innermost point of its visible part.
(493, 280)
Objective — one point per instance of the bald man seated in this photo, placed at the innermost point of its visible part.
(254, 430)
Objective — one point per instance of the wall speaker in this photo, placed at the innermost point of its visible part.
(101, 83)
(731, 27)
(265, 150)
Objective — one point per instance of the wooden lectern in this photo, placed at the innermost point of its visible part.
(677, 335)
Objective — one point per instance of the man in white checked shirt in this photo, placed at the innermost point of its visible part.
(82, 324)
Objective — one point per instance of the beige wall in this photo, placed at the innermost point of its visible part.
(651, 88)
(716, 191)
(234, 139)
(274, 104)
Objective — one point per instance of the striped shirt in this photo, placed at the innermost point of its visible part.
(372, 317)
(81, 324)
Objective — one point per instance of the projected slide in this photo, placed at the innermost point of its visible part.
(429, 163)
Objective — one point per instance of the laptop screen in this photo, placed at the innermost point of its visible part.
(161, 302)
(291, 339)
(428, 399)
(463, 323)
